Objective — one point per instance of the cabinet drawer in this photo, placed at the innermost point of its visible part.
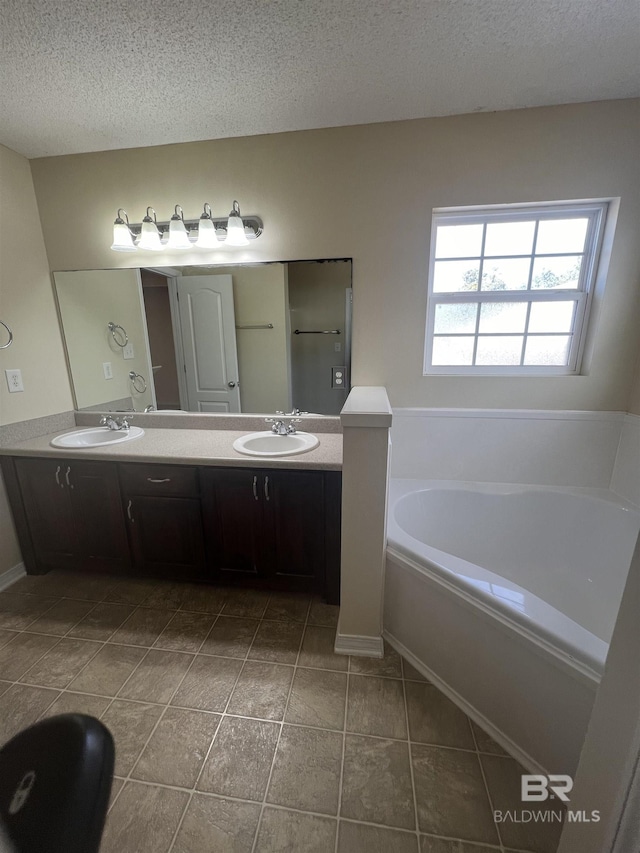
(159, 480)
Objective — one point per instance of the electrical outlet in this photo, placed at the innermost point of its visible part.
(127, 351)
(337, 347)
(337, 377)
(107, 370)
(14, 381)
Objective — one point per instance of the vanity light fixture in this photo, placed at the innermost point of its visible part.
(207, 237)
(207, 232)
(178, 236)
(122, 236)
(149, 233)
(235, 228)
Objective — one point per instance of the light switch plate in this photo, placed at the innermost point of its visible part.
(107, 370)
(14, 381)
(127, 351)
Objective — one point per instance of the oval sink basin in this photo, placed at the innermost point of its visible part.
(269, 444)
(96, 437)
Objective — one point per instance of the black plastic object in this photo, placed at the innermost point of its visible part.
(55, 781)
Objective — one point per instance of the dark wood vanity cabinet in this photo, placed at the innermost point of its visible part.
(277, 527)
(162, 505)
(74, 514)
(271, 528)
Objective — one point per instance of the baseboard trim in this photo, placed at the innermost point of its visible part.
(12, 575)
(359, 646)
(505, 742)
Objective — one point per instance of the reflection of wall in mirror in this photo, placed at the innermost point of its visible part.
(89, 300)
(317, 302)
(259, 297)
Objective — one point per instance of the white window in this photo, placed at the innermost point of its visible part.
(510, 288)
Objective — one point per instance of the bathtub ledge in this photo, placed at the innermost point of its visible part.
(560, 658)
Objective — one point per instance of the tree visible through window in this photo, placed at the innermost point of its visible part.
(509, 288)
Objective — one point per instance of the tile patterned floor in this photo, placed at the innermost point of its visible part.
(238, 730)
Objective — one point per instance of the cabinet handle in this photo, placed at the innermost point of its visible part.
(152, 480)
(58, 478)
(255, 488)
(132, 520)
(66, 476)
(266, 488)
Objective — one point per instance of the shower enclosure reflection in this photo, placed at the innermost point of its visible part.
(245, 338)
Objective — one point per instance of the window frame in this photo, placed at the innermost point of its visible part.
(597, 211)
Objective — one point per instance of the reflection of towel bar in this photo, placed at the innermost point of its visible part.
(257, 326)
(115, 334)
(323, 332)
(139, 379)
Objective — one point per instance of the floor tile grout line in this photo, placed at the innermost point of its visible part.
(486, 787)
(275, 751)
(82, 668)
(433, 745)
(411, 771)
(213, 739)
(31, 624)
(278, 807)
(344, 746)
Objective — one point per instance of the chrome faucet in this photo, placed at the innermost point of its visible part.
(114, 423)
(280, 428)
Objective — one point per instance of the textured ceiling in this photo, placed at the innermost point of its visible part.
(88, 75)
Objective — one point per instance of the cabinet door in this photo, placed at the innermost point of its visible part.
(166, 536)
(48, 509)
(233, 502)
(294, 528)
(101, 533)
(74, 514)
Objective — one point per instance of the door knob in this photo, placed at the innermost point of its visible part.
(231, 384)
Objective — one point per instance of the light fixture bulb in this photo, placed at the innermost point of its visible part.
(178, 236)
(235, 228)
(207, 238)
(150, 236)
(122, 236)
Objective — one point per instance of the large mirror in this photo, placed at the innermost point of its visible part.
(247, 338)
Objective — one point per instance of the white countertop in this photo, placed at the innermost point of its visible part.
(185, 447)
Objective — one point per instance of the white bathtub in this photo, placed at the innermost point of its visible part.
(506, 596)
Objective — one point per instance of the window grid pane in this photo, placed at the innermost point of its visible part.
(515, 269)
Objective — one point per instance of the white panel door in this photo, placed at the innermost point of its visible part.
(207, 325)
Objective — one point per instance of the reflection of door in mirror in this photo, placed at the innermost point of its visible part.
(208, 341)
(201, 337)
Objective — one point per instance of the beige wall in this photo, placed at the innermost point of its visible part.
(367, 192)
(26, 305)
(89, 301)
(634, 399)
(26, 302)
